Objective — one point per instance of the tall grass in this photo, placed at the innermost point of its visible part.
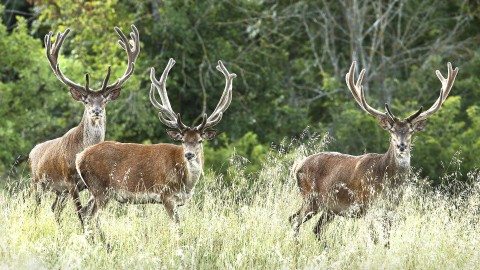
(243, 224)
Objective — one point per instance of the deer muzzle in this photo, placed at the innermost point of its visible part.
(402, 147)
(189, 155)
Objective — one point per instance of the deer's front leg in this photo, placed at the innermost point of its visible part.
(37, 190)
(72, 189)
(58, 206)
(171, 207)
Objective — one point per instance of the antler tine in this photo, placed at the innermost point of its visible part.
(161, 86)
(167, 115)
(105, 81)
(415, 115)
(226, 97)
(358, 93)
(180, 125)
(203, 123)
(390, 114)
(87, 81)
(52, 52)
(225, 100)
(444, 91)
(447, 83)
(164, 114)
(349, 79)
(132, 53)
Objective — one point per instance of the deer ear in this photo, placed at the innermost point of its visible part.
(419, 125)
(209, 134)
(385, 123)
(114, 94)
(176, 135)
(76, 94)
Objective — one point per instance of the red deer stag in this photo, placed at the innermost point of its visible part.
(339, 184)
(160, 173)
(52, 163)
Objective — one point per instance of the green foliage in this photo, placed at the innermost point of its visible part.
(27, 95)
(247, 150)
(441, 139)
(290, 74)
(355, 132)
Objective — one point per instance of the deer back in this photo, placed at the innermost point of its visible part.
(134, 168)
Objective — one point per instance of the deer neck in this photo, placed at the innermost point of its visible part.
(396, 164)
(195, 169)
(93, 130)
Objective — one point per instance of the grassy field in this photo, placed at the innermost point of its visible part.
(243, 224)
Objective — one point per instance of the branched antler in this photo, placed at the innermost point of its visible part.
(52, 56)
(173, 120)
(444, 91)
(224, 102)
(132, 54)
(358, 93)
(166, 115)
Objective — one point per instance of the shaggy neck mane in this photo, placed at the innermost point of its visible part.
(394, 164)
(93, 131)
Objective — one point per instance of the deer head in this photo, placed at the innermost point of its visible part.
(191, 138)
(94, 100)
(401, 131)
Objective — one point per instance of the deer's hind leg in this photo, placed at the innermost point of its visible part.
(324, 219)
(308, 209)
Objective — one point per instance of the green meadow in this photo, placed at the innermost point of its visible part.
(244, 226)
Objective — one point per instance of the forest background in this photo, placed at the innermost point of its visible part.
(290, 57)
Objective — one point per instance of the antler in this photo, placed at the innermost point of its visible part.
(358, 93)
(52, 56)
(170, 118)
(132, 53)
(166, 115)
(444, 91)
(224, 102)
(389, 113)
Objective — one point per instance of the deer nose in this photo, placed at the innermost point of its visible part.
(189, 156)
(97, 111)
(402, 146)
